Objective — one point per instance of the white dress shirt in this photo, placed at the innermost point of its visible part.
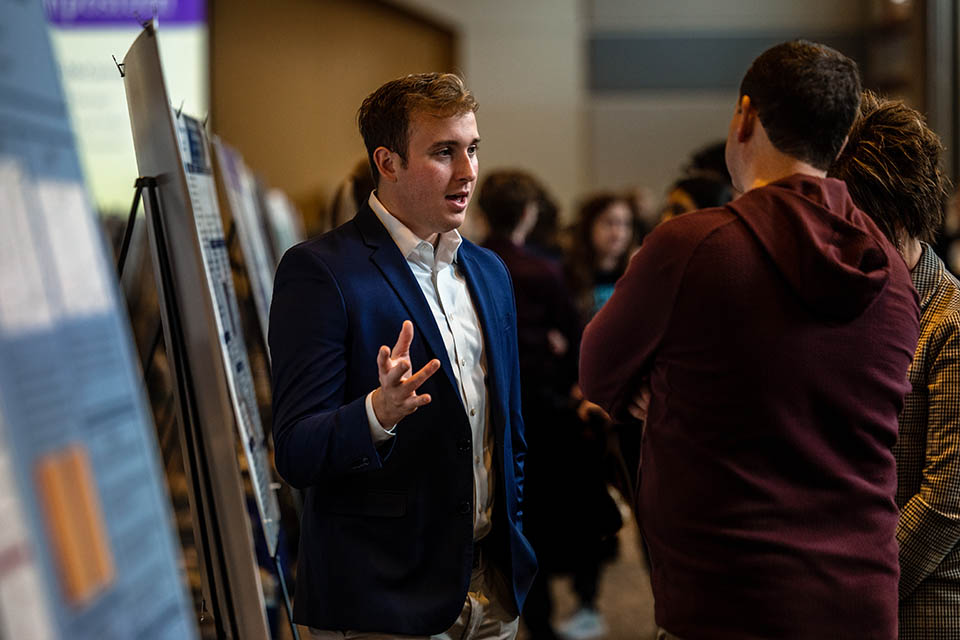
(445, 290)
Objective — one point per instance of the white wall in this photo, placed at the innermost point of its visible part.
(645, 137)
(525, 63)
(713, 15)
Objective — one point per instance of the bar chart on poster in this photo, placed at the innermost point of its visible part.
(195, 154)
(87, 543)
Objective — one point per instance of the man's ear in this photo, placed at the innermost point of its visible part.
(387, 163)
(748, 119)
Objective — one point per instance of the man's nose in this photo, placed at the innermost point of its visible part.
(466, 167)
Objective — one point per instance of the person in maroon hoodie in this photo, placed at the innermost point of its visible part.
(773, 336)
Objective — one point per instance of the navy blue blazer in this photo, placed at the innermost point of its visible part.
(386, 538)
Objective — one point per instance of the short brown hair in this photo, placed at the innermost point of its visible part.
(891, 165)
(504, 196)
(806, 95)
(384, 116)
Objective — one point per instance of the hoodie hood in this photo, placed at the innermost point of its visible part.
(830, 253)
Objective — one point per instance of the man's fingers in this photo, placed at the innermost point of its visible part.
(383, 359)
(414, 402)
(640, 403)
(413, 383)
(394, 376)
(402, 347)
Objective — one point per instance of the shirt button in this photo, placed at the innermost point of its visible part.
(463, 362)
(473, 412)
(476, 459)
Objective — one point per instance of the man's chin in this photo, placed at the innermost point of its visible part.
(454, 221)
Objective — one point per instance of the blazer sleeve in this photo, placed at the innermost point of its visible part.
(316, 430)
(929, 525)
(621, 340)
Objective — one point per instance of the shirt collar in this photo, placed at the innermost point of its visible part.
(926, 275)
(409, 243)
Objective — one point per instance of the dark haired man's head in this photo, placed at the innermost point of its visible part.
(891, 165)
(505, 197)
(545, 231)
(806, 96)
(697, 192)
(362, 183)
(710, 160)
(385, 115)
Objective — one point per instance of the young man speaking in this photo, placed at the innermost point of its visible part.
(411, 457)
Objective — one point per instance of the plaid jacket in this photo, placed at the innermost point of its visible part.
(928, 463)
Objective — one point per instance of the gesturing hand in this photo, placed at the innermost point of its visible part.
(640, 402)
(396, 397)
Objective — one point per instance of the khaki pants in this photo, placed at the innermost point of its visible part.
(483, 617)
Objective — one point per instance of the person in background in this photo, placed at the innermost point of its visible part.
(693, 193)
(949, 244)
(544, 239)
(768, 343)
(350, 195)
(568, 512)
(710, 161)
(646, 211)
(599, 249)
(600, 244)
(891, 165)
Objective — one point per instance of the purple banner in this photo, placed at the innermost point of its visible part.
(89, 13)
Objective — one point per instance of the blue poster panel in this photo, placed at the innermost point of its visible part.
(87, 547)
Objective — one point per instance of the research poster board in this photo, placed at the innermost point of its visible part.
(174, 145)
(284, 222)
(197, 165)
(241, 191)
(87, 536)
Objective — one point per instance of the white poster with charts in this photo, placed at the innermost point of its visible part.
(195, 153)
(174, 148)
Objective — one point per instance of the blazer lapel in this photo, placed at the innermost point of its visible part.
(386, 255)
(483, 300)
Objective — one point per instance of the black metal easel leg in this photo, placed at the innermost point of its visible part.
(286, 596)
(131, 219)
(152, 351)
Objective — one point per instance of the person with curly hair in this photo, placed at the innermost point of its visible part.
(891, 165)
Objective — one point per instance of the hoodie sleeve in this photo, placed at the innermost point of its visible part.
(620, 343)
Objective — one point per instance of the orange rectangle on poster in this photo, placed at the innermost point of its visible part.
(68, 496)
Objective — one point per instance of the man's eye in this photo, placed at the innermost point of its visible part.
(446, 151)
(472, 149)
